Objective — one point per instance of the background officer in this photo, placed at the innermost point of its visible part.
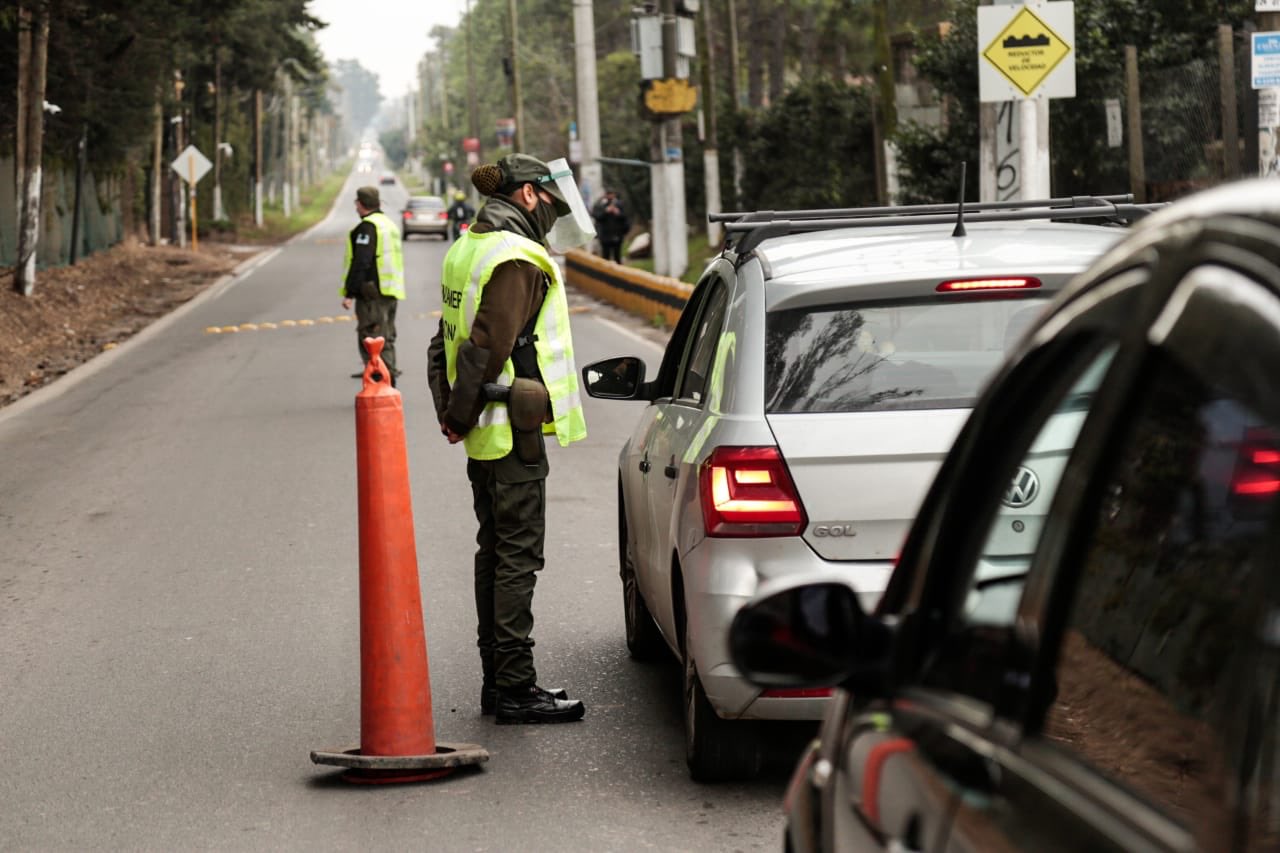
(374, 277)
(505, 321)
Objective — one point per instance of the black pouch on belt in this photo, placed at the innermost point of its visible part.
(527, 408)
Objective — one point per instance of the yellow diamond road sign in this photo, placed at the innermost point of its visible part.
(1026, 51)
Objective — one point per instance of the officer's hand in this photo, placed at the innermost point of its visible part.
(346, 303)
(453, 437)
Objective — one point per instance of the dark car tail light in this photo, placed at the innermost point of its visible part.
(1257, 473)
(747, 491)
(979, 285)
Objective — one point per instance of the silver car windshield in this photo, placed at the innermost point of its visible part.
(919, 355)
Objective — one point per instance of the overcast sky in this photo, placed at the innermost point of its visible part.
(387, 36)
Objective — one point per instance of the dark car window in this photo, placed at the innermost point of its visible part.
(706, 335)
(934, 354)
(978, 656)
(995, 587)
(1167, 676)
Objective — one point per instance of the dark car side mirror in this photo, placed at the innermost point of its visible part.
(619, 378)
(808, 635)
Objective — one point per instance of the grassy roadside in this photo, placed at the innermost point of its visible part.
(316, 201)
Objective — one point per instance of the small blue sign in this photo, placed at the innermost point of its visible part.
(1266, 60)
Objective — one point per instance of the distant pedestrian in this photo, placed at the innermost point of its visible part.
(374, 278)
(612, 224)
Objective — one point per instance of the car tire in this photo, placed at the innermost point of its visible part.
(643, 640)
(716, 749)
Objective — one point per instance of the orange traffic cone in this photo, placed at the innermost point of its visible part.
(397, 734)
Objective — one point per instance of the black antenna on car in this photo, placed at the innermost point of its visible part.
(960, 232)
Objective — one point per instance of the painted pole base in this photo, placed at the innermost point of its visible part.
(396, 769)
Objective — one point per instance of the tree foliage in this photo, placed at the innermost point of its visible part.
(114, 63)
(1185, 46)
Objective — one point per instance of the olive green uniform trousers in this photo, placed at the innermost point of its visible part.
(376, 317)
(510, 504)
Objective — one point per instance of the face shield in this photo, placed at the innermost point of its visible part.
(573, 228)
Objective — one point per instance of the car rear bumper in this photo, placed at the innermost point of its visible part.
(721, 575)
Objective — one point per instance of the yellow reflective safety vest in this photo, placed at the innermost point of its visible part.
(467, 269)
(390, 258)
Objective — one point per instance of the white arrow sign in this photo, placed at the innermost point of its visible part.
(191, 165)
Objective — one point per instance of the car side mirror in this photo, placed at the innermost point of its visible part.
(619, 378)
(808, 635)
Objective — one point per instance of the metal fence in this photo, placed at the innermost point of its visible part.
(101, 223)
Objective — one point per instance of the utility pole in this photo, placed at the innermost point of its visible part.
(288, 145)
(472, 118)
(33, 41)
(517, 101)
(218, 212)
(735, 96)
(670, 241)
(710, 149)
(584, 43)
(157, 157)
(257, 157)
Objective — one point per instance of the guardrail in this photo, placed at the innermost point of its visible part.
(642, 293)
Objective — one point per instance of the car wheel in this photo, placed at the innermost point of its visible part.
(643, 640)
(716, 750)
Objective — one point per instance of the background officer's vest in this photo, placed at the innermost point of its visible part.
(467, 269)
(390, 259)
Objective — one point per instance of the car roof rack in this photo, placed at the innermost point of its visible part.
(754, 227)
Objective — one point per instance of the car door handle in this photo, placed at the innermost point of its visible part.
(644, 465)
(671, 470)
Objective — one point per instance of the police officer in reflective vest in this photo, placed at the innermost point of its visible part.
(502, 375)
(374, 277)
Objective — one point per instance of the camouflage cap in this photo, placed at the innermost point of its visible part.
(368, 196)
(527, 169)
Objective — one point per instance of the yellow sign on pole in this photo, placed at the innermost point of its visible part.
(670, 97)
(1026, 51)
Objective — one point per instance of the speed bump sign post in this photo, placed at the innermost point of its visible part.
(191, 165)
(1026, 51)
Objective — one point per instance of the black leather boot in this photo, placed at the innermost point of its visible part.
(532, 704)
(489, 697)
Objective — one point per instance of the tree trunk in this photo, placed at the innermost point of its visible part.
(758, 26)
(778, 51)
(33, 82)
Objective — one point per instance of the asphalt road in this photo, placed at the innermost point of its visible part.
(178, 602)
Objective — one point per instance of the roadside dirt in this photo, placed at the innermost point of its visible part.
(79, 311)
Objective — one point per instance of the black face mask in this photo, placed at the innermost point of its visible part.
(544, 216)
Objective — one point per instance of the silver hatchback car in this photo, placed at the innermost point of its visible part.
(816, 378)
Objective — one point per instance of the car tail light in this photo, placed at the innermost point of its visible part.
(1257, 473)
(796, 692)
(746, 491)
(977, 285)
(408, 214)
(444, 214)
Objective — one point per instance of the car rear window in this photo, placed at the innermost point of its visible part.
(867, 358)
(416, 203)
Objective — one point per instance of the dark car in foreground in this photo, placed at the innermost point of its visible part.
(1118, 689)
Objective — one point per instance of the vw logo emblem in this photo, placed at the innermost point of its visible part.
(1023, 490)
